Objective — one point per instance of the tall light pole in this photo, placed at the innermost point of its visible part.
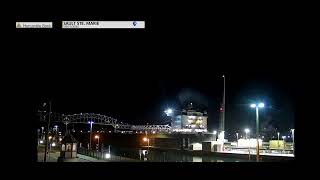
(90, 122)
(260, 105)
(292, 135)
(47, 133)
(222, 110)
(223, 103)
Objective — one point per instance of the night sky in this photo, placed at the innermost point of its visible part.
(135, 75)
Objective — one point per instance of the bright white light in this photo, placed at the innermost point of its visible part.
(41, 141)
(283, 137)
(253, 105)
(145, 139)
(261, 105)
(214, 132)
(108, 155)
(53, 144)
(153, 132)
(247, 130)
(60, 139)
(144, 152)
(169, 111)
(96, 136)
(50, 137)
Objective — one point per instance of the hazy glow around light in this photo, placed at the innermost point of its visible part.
(214, 132)
(96, 136)
(169, 111)
(145, 139)
(247, 130)
(261, 105)
(253, 105)
(41, 141)
(53, 144)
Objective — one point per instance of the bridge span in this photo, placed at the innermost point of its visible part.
(98, 119)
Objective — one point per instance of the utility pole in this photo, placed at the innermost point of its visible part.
(47, 134)
(222, 110)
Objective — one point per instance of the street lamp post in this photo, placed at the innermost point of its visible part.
(47, 133)
(97, 137)
(260, 105)
(292, 135)
(66, 122)
(90, 122)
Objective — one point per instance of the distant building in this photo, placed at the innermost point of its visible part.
(190, 121)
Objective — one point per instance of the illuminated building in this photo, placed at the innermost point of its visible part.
(190, 121)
